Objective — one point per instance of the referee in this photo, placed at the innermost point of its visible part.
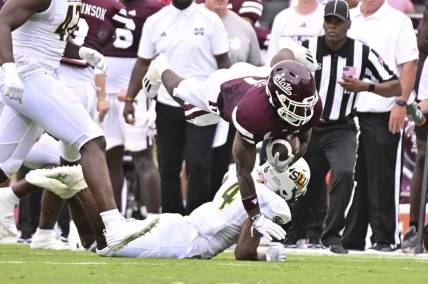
(347, 67)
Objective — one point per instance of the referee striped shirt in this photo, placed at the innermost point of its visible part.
(355, 57)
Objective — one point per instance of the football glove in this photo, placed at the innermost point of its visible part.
(14, 89)
(301, 53)
(93, 57)
(267, 228)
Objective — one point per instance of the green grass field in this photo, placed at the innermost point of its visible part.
(19, 264)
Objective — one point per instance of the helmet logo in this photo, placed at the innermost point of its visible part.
(298, 178)
(283, 84)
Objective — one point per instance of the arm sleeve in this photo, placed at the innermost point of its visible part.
(272, 206)
(377, 70)
(218, 39)
(407, 49)
(146, 47)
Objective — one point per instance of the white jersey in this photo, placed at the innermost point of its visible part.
(219, 222)
(41, 40)
(209, 230)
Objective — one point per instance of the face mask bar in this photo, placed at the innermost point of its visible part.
(295, 113)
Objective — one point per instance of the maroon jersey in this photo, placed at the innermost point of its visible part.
(127, 42)
(247, 106)
(97, 24)
(98, 21)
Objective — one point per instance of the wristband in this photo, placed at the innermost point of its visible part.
(371, 87)
(129, 99)
(255, 217)
(250, 202)
(400, 102)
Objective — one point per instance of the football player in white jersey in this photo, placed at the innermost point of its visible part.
(36, 100)
(212, 227)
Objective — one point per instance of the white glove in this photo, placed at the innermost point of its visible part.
(149, 118)
(14, 88)
(267, 228)
(273, 160)
(93, 57)
(276, 253)
(301, 53)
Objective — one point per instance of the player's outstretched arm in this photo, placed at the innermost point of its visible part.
(244, 155)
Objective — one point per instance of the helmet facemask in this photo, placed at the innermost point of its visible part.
(294, 112)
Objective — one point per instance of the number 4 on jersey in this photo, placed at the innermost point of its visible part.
(229, 195)
(70, 21)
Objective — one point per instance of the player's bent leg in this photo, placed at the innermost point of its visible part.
(157, 243)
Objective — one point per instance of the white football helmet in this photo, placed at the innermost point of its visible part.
(290, 184)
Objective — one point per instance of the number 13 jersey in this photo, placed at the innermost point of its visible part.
(41, 40)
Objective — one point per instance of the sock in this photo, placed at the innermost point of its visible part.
(45, 232)
(111, 216)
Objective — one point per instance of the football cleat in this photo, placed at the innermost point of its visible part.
(301, 53)
(47, 241)
(128, 230)
(64, 181)
(152, 80)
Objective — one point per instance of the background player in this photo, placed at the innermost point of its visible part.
(40, 32)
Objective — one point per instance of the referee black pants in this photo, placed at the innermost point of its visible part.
(332, 146)
(376, 194)
(178, 140)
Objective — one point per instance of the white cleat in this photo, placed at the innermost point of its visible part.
(47, 241)
(8, 226)
(64, 181)
(152, 80)
(128, 230)
(301, 53)
(105, 252)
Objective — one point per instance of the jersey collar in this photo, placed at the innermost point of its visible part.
(380, 13)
